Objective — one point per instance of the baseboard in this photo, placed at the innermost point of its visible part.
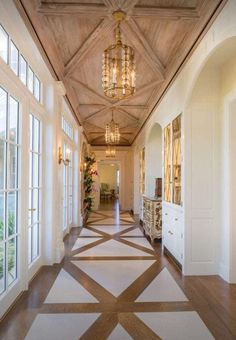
(171, 256)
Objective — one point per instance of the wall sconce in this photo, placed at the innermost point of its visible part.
(66, 161)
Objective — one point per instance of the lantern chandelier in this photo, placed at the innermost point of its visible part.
(118, 71)
(112, 134)
(110, 151)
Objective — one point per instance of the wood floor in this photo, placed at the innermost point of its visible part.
(113, 284)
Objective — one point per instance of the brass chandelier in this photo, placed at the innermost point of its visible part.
(118, 70)
(112, 133)
(110, 151)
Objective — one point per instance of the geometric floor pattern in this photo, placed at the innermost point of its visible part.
(113, 284)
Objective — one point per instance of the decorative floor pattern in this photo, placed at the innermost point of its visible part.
(113, 284)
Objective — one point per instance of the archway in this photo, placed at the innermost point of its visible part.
(210, 147)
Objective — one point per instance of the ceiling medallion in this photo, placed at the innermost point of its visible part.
(110, 151)
(118, 70)
(112, 134)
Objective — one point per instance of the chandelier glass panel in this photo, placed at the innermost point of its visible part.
(118, 71)
(112, 134)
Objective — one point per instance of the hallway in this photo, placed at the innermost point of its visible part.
(112, 284)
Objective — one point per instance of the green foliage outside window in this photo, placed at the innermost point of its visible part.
(11, 245)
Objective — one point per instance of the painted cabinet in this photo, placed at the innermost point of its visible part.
(152, 217)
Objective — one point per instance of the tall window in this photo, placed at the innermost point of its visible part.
(34, 189)
(11, 55)
(9, 189)
(67, 188)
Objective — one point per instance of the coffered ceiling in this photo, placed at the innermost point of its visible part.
(73, 34)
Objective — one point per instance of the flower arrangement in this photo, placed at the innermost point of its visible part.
(89, 174)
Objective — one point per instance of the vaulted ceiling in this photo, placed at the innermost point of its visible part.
(73, 34)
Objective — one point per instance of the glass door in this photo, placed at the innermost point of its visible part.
(9, 190)
(176, 160)
(67, 187)
(34, 189)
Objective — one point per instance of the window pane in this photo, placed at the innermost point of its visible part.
(29, 244)
(2, 164)
(35, 247)
(2, 256)
(36, 135)
(36, 170)
(31, 132)
(13, 120)
(12, 212)
(3, 44)
(2, 215)
(36, 88)
(3, 112)
(30, 169)
(30, 80)
(23, 70)
(14, 58)
(12, 166)
(35, 205)
(11, 260)
(30, 217)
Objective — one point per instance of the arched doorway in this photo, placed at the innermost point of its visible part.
(210, 148)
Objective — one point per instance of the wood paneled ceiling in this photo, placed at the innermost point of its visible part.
(73, 34)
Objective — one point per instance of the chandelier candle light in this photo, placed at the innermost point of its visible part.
(112, 134)
(110, 151)
(118, 71)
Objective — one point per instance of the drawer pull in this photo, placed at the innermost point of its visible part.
(176, 219)
(170, 232)
(166, 214)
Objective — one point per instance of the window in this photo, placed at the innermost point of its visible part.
(67, 188)
(14, 58)
(36, 88)
(18, 64)
(67, 128)
(3, 44)
(34, 189)
(30, 82)
(23, 70)
(9, 189)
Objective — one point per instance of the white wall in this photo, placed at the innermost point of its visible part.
(153, 159)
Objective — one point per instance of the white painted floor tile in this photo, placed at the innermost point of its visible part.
(67, 290)
(60, 326)
(113, 248)
(141, 241)
(115, 276)
(162, 288)
(176, 325)
(104, 221)
(87, 232)
(81, 242)
(119, 333)
(110, 229)
(135, 232)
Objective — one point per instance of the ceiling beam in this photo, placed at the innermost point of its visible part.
(78, 84)
(132, 30)
(172, 13)
(80, 9)
(135, 107)
(119, 109)
(103, 27)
